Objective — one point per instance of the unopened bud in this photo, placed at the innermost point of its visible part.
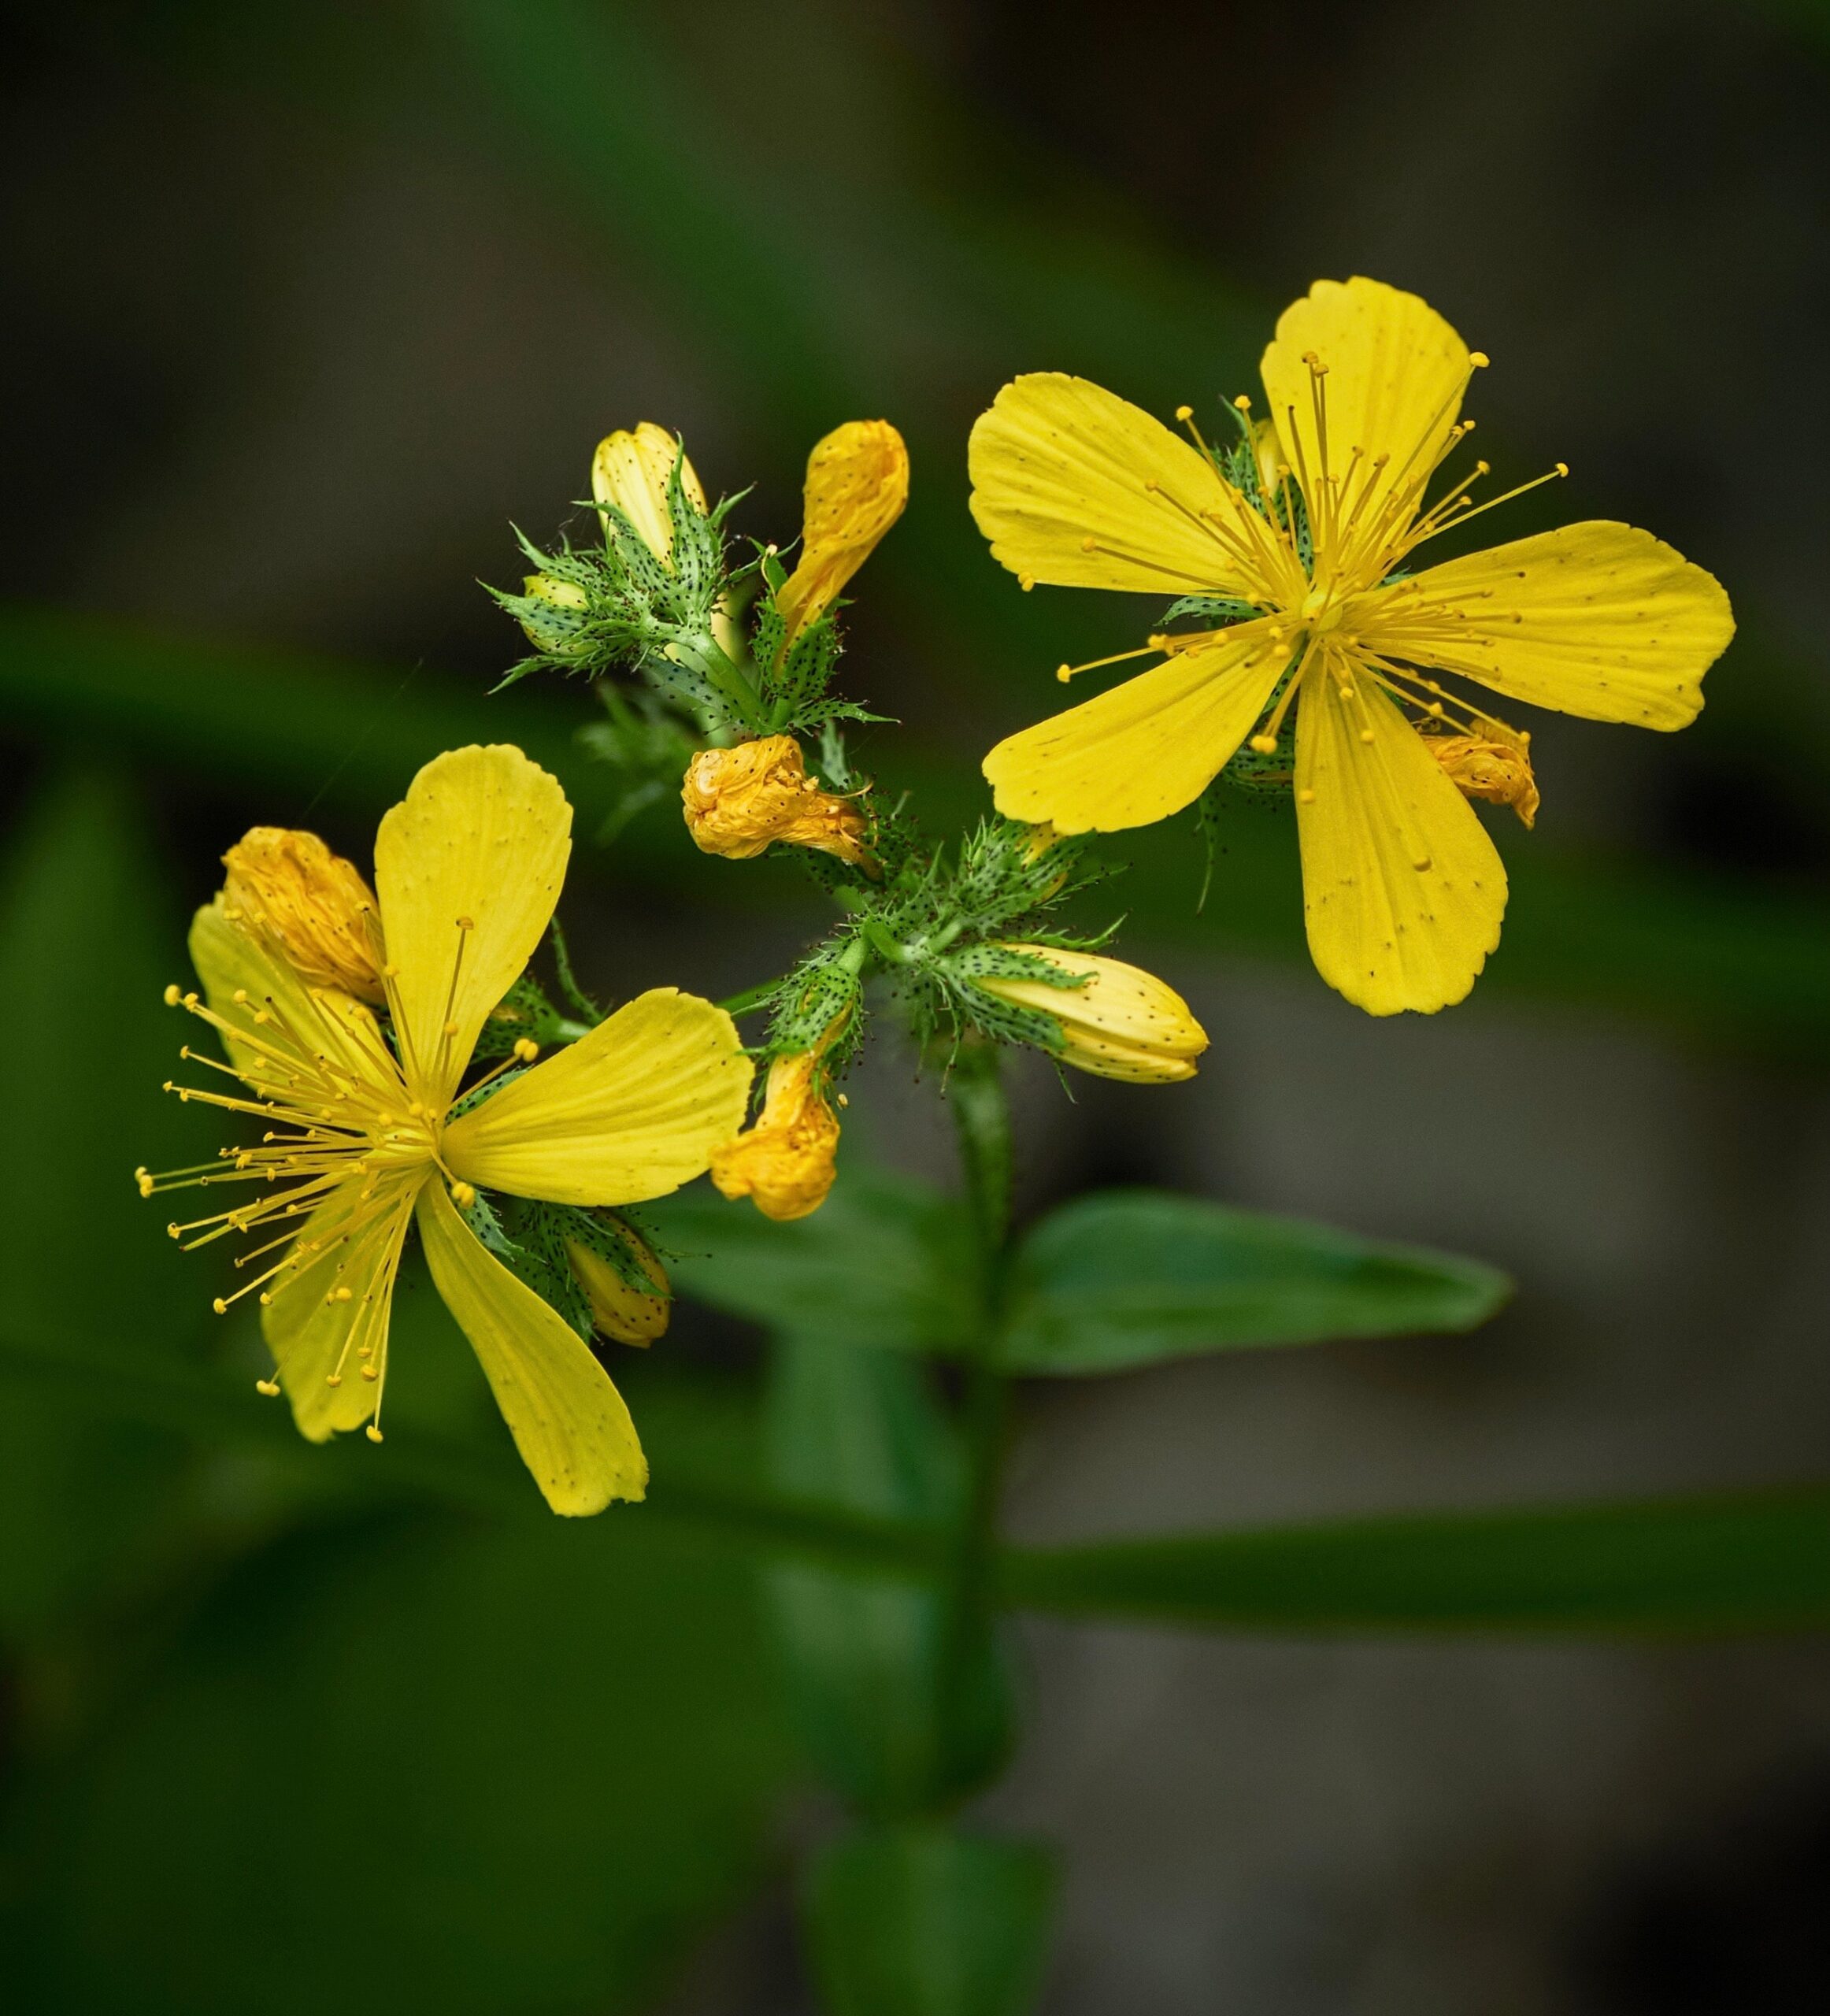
(619, 1309)
(1495, 766)
(857, 483)
(1123, 1023)
(738, 800)
(311, 905)
(786, 1162)
(632, 470)
(554, 613)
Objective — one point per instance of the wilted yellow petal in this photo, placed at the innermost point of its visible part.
(632, 1110)
(1402, 889)
(1079, 488)
(739, 800)
(786, 1163)
(857, 483)
(568, 1422)
(318, 1322)
(470, 867)
(311, 904)
(1596, 619)
(632, 470)
(1396, 371)
(1144, 749)
(1124, 1023)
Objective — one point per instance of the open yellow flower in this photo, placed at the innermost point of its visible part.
(1403, 891)
(360, 1138)
(857, 483)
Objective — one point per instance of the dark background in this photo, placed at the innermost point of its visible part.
(303, 305)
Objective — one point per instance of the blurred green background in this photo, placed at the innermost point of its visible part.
(305, 304)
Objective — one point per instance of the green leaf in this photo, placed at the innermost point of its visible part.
(1126, 1278)
(902, 1703)
(885, 1262)
(407, 1765)
(924, 1921)
(1690, 1566)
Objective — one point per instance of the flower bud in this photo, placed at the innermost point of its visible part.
(857, 483)
(312, 905)
(1496, 765)
(786, 1162)
(1123, 1023)
(557, 613)
(738, 799)
(620, 1310)
(632, 472)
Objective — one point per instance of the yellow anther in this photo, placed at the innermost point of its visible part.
(370, 1374)
(269, 1386)
(1026, 582)
(1479, 359)
(219, 1307)
(173, 996)
(1243, 402)
(1064, 673)
(333, 1379)
(1367, 737)
(1563, 469)
(1266, 745)
(450, 1028)
(463, 1196)
(240, 997)
(466, 924)
(1089, 544)
(341, 1294)
(1184, 413)
(1305, 797)
(526, 1049)
(373, 1432)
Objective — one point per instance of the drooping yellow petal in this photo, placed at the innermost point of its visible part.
(568, 1422)
(857, 483)
(632, 471)
(231, 961)
(468, 868)
(1077, 487)
(631, 1111)
(319, 1322)
(1597, 619)
(1403, 890)
(1144, 749)
(1394, 375)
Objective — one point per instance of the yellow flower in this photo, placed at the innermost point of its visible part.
(1403, 891)
(619, 1310)
(739, 799)
(310, 905)
(632, 471)
(786, 1162)
(359, 1139)
(857, 483)
(1123, 1023)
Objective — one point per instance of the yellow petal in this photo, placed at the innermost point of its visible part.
(468, 868)
(315, 1330)
(1075, 487)
(1124, 1023)
(1144, 749)
(1598, 619)
(632, 1110)
(568, 1422)
(631, 471)
(857, 483)
(1402, 889)
(231, 960)
(1395, 375)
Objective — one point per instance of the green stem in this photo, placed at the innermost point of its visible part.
(751, 997)
(982, 1118)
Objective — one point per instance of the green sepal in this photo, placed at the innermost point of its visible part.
(1221, 612)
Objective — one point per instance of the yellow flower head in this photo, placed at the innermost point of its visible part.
(1120, 1023)
(310, 905)
(1403, 891)
(620, 1310)
(1494, 762)
(632, 471)
(739, 799)
(857, 483)
(786, 1162)
(359, 1139)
